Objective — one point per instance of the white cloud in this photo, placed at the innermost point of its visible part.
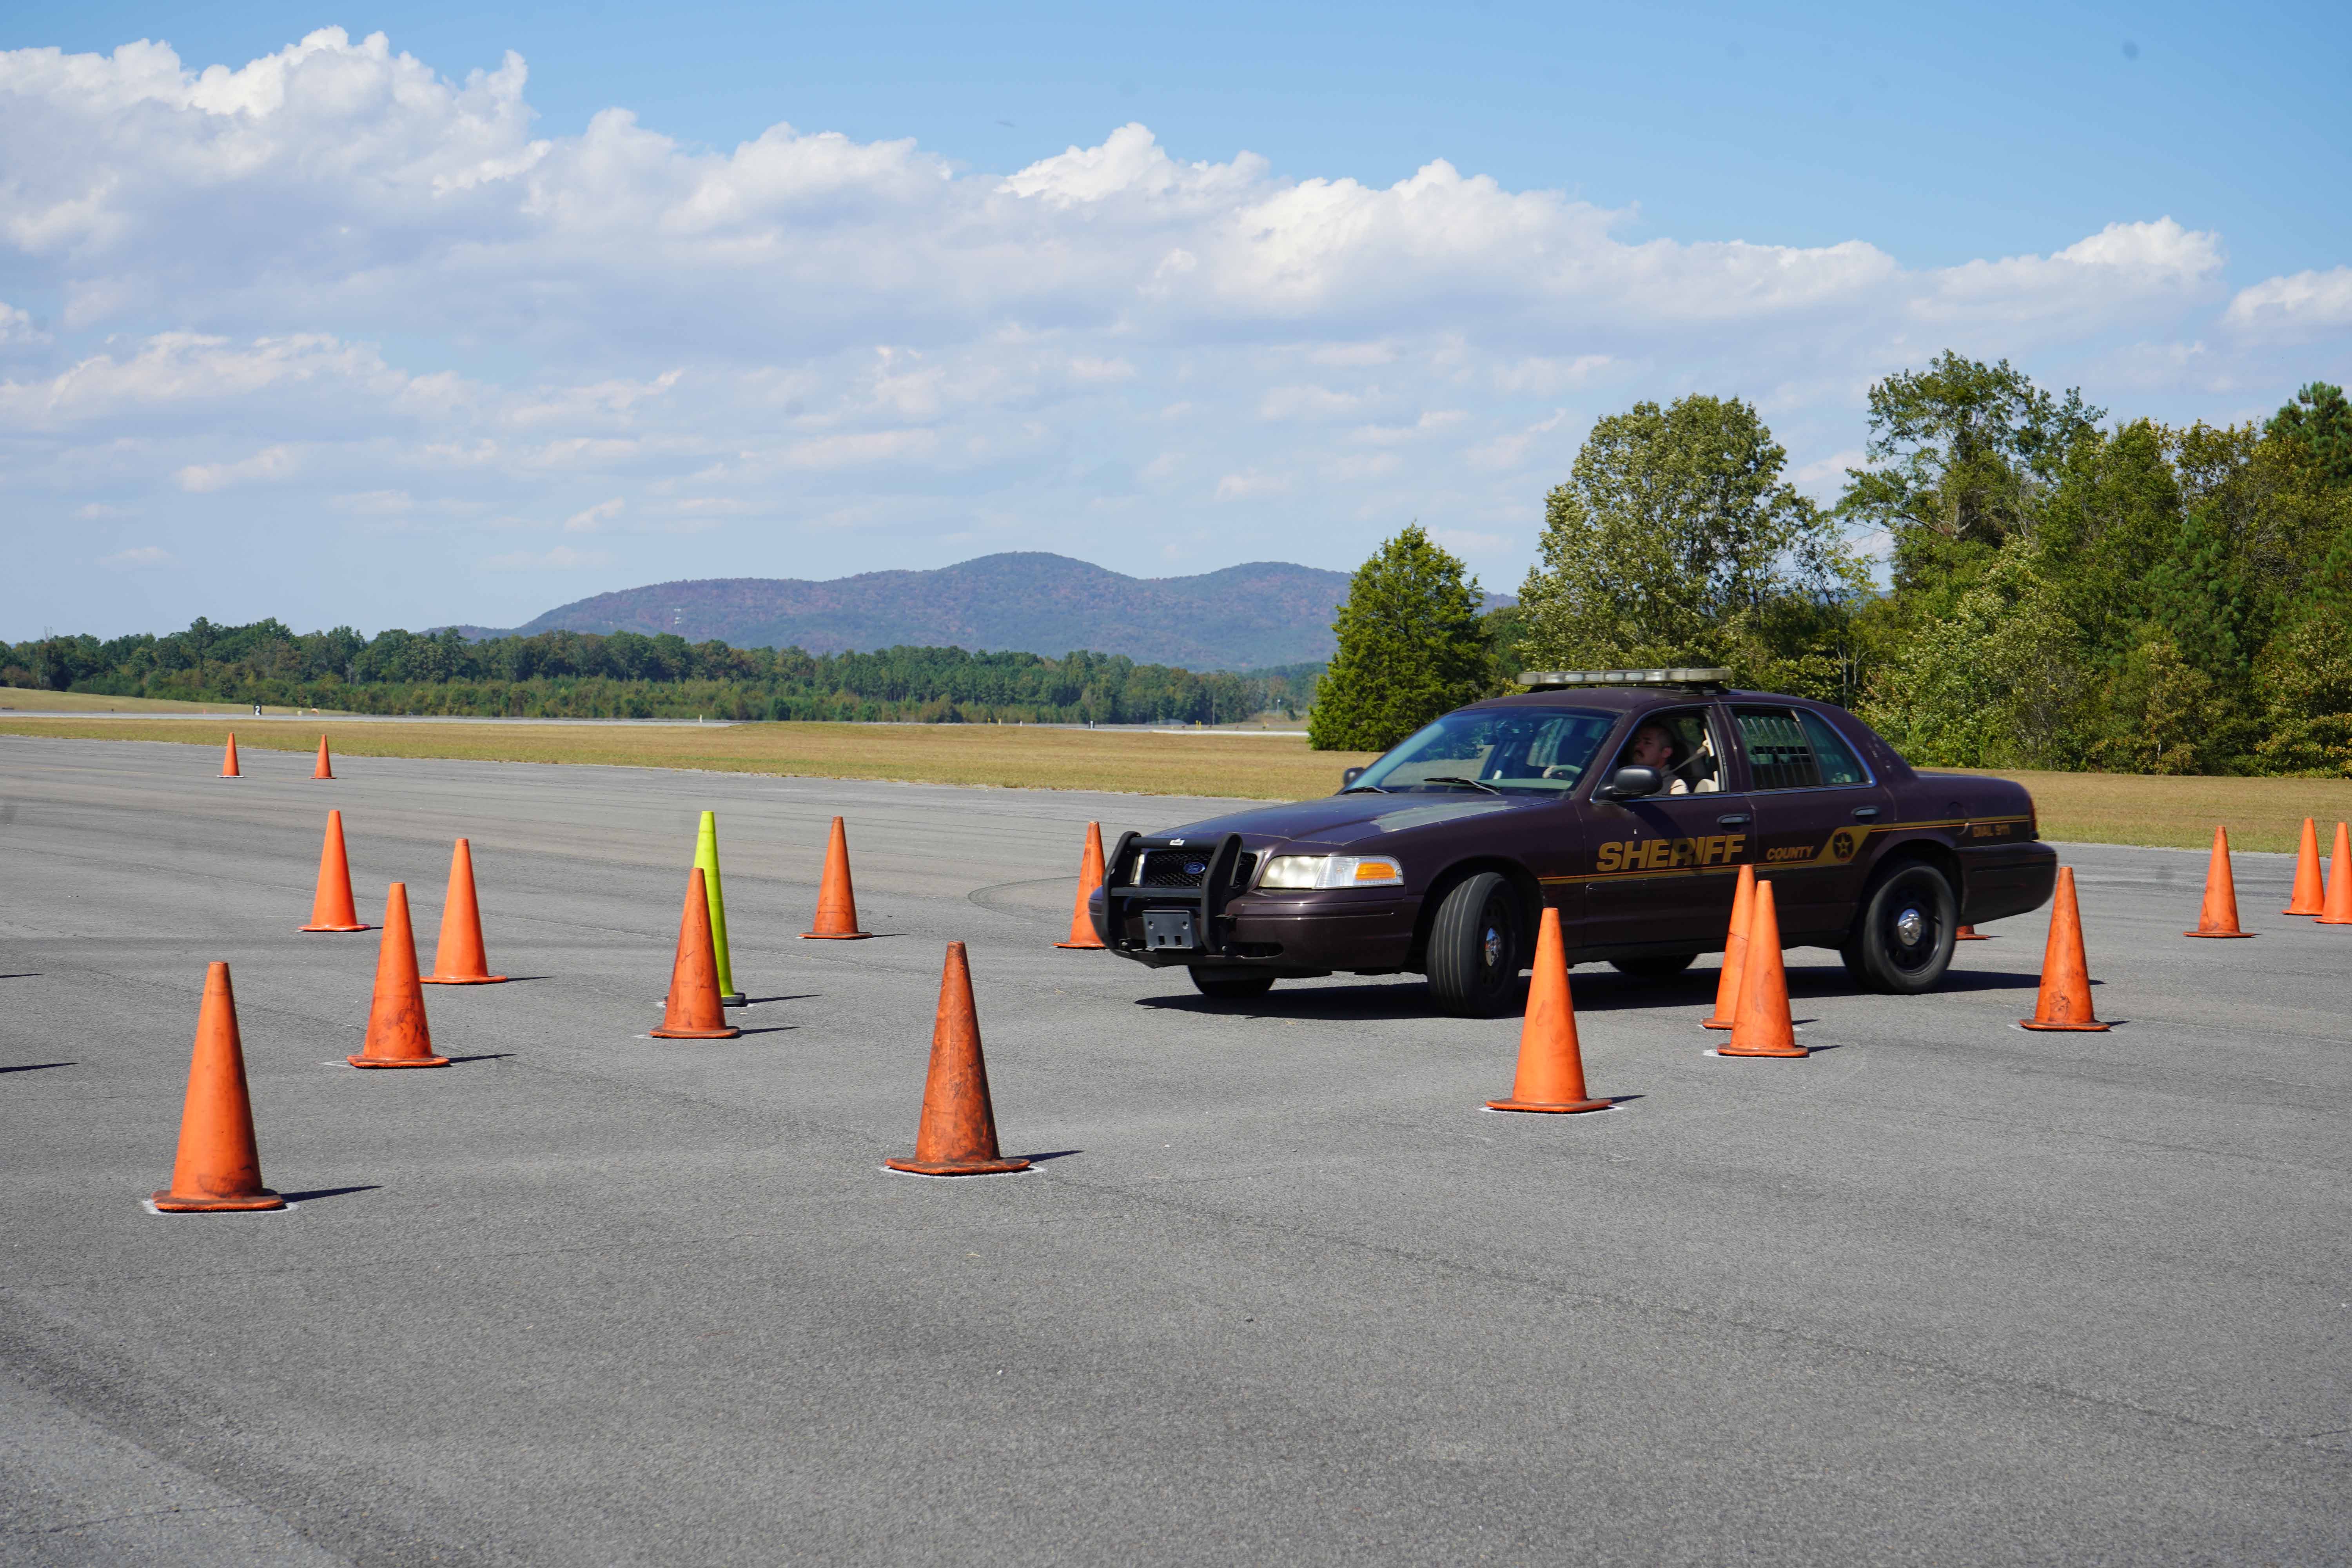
(590, 518)
(1509, 451)
(139, 555)
(1252, 486)
(2305, 302)
(269, 463)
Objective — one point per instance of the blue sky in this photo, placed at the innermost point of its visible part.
(321, 344)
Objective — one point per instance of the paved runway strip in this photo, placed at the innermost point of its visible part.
(1277, 1291)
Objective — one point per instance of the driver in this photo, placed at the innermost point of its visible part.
(1653, 746)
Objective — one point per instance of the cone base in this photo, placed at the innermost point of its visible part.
(398, 1061)
(1560, 1108)
(727, 1033)
(1083, 946)
(2311, 911)
(1970, 936)
(1715, 1023)
(2220, 933)
(460, 979)
(2324, 921)
(834, 935)
(734, 999)
(249, 1203)
(958, 1167)
(2093, 1026)
(1728, 1049)
(232, 775)
(333, 928)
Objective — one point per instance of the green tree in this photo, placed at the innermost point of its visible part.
(1963, 453)
(2320, 420)
(1410, 647)
(1676, 542)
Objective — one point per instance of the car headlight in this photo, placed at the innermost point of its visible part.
(1304, 871)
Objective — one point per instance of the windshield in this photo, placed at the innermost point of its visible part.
(1498, 747)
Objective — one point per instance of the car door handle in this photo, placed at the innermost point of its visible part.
(1865, 811)
(1737, 819)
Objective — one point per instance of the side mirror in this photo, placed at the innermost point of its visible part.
(1349, 775)
(1632, 783)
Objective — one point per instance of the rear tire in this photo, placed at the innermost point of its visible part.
(1653, 966)
(1231, 987)
(1902, 942)
(1477, 946)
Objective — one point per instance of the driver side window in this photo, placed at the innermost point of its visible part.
(1681, 745)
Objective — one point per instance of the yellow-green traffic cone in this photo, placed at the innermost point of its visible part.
(706, 857)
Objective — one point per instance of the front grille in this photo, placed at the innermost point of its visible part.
(1185, 868)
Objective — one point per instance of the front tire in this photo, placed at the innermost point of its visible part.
(1477, 946)
(1231, 987)
(1902, 944)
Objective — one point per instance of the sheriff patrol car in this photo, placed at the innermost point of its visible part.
(1627, 800)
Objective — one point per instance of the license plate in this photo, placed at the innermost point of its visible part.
(1164, 929)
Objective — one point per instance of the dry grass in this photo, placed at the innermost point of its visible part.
(2181, 812)
(1209, 762)
(26, 700)
(2109, 808)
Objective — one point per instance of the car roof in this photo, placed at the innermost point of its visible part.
(1632, 699)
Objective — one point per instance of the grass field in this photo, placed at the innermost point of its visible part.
(28, 699)
(2108, 808)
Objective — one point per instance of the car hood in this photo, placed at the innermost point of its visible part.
(1343, 819)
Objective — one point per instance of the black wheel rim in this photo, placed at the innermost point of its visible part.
(1498, 961)
(1913, 932)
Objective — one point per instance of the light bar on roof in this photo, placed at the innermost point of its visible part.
(1540, 679)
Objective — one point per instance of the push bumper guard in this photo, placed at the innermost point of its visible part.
(1181, 925)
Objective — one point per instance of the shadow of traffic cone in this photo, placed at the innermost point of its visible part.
(957, 1134)
(1090, 877)
(2337, 909)
(2309, 896)
(1764, 1028)
(1735, 955)
(705, 858)
(2065, 1000)
(331, 906)
(694, 1011)
(228, 759)
(1970, 933)
(396, 1035)
(218, 1166)
(2219, 917)
(1551, 1077)
(324, 768)
(460, 959)
(836, 900)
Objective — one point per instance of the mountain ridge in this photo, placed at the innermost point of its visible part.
(1249, 616)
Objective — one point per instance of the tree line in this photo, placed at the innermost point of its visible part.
(2060, 590)
(626, 675)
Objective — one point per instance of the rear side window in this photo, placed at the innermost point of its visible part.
(1779, 755)
(1831, 755)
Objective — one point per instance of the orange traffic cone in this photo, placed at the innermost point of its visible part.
(396, 1035)
(1090, 877)
(228, 759)
(323, 769)
(957, 1134)
(331, 906)
(2219, 915)
(694, 1011)
(1735, 953)
(218, 1166)
(836, 900)
(2064, 999)
(1551, 1067)
(1764, 1028)
(2309, 894)
(2338, 910)
(1970, 933)
(460, 959)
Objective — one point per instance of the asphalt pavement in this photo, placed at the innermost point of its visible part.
(1277, 1291)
